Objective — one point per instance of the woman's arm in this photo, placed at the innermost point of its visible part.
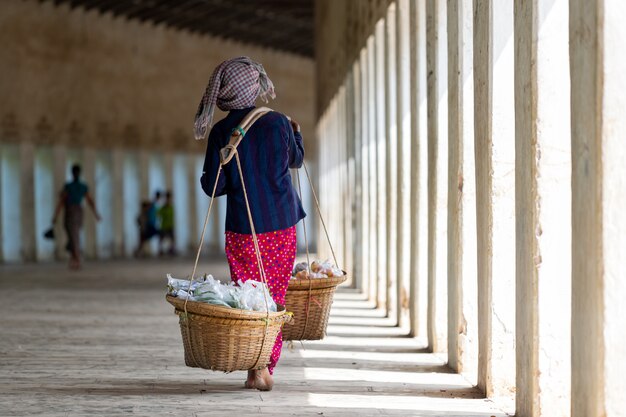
(295, 144)
(211, 163)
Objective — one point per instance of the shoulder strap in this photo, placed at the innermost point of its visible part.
(228, 151)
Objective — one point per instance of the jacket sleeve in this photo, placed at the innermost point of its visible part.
(295, 146)
(211, 163)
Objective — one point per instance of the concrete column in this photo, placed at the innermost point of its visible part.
(193, 178)
(358, 177)
(348, 192)
(344, 234)
(59, 161)
(494, 137)
(437, 67)
(2, 202)
(391, 155)
(27, 200)
(543, 201)
(419, 171)
(462, 279)
(320, 136)
(403, 169)
(597, 65)
(168, 168)
(364, 220)
(372, 267)
(338, 236)
(89, 176)
(381, 196)
(143, 165)
(117, 185)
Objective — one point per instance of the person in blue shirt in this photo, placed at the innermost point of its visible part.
(70, 201)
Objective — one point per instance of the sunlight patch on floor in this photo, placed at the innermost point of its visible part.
(396, 402)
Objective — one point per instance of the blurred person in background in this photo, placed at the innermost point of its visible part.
(166, 217)
(71, 202)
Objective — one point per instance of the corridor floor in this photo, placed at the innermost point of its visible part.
(103, 341)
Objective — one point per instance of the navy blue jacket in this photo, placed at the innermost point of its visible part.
(267, 151)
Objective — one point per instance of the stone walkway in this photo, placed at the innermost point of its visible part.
(103, 341)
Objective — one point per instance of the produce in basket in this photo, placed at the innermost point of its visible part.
(242, 295)
(317, 270)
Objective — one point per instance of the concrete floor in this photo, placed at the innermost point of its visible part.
(103, 341)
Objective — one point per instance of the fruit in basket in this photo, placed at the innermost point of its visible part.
(318, 269)
(302, 266)
(316, 266)
(326, 271)
(302, 275)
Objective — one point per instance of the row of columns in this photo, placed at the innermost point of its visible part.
(476, 210)
(31, 177)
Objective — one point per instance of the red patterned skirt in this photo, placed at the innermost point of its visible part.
(278, 252)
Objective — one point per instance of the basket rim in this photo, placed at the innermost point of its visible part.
(316, 283)
(211, 310)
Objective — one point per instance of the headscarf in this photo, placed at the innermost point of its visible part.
(235, 84)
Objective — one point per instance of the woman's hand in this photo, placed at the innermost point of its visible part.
(294, 125)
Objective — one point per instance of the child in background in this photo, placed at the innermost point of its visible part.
(147, 225)
(166, 216)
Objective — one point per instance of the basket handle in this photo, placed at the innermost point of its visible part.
(319, 212)
(306, 241)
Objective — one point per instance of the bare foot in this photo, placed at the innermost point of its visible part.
(251, 380)
(263, 380)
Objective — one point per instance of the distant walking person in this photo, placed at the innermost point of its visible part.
(166, 215)
(70, 200)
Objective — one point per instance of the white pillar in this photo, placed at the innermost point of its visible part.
(462, 279)
(2, 260)
(168, 168)
(372, 266)
(349, 194)
(391, 159)
(117, 185)
(381, 197)
(363, 282)
(59, 158)
(543, 206)
(494, 137)
(597, 33)
(89, 175)
(419, 171)
(403, 169)
(143, 164)
(194, 228)
(27, 200)
(437, 67)
(45, 201)
(358, 178)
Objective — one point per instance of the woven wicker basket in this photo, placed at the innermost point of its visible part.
(310, 301)
(227, 339)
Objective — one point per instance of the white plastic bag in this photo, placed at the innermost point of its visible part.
(243, 295)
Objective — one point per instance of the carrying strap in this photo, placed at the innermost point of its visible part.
(228, 152)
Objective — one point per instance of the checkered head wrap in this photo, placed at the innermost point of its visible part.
(235, 84)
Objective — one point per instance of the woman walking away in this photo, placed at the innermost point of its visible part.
(70, 200)
(270, 147)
